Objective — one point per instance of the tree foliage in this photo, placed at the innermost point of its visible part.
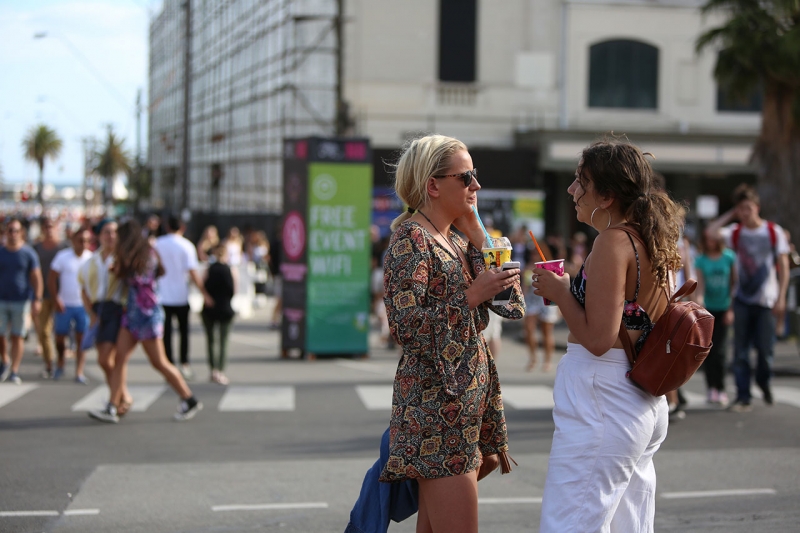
(112, 159)
(759, 44)
(39, 144)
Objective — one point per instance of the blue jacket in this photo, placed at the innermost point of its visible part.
(380, 502)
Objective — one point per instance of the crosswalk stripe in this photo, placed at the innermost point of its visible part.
(258, 398)
(10, 392)
(143, 397)
(375, 397)
(694, 400)
(528, 396)
(786, 395)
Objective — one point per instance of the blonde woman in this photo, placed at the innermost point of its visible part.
(447, 410)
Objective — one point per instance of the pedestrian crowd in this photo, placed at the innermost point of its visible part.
(112, 285)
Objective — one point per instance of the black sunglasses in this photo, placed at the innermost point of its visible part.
(466, 177)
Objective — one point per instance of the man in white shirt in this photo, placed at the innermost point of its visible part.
(762, 265)
(179, 258)
(62, 281)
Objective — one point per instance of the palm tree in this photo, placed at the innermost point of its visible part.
(759, 46)
(41, 143)
(112, 160)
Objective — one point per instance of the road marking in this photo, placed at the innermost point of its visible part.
(372, 368)
(375, 397)
(249, 341)
(787, 395)
(269, 506)
(528, 396)
(27, 513)
(143, 397)
(258, 398)
(501, 501)
(10, 392)
(695, 400)
(81, 512)
(716, 493)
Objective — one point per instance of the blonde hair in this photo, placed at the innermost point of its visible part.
(421, 159)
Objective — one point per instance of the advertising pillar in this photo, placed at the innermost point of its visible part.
(326, 245)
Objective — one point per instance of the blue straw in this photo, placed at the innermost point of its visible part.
(488, 237)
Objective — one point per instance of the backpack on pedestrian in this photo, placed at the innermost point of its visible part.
(677, 345)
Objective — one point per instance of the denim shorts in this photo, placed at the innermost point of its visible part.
(14, 313)
(110, 315)
(73, 316)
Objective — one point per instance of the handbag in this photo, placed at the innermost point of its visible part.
(675, 348)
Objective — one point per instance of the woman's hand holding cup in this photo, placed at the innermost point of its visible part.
(550, 283)
(488, 283)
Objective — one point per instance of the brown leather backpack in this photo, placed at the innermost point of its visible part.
(675, 348)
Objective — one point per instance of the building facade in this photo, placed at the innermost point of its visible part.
(524, 83)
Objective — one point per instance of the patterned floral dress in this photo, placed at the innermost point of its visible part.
(447, 410)
(144, 316)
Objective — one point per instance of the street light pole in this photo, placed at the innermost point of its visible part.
(187, 91)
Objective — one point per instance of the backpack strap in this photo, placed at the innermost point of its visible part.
(626, 343)
(773, 237)
(685, 290)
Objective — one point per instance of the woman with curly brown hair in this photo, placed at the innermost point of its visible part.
(138, 264)
(600, 475)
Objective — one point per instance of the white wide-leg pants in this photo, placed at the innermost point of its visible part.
(600, 476)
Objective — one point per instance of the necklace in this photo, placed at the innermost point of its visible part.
(446, 239)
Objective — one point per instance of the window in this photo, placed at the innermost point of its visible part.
(623, 74)
(457, 40)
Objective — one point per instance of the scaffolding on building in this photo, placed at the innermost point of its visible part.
(260, 71)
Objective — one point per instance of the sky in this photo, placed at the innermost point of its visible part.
(80, 77)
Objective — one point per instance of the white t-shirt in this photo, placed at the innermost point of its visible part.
(67, 264)
(178, 256)
(755, 263)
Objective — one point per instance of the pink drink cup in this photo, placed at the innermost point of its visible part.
(554, 265)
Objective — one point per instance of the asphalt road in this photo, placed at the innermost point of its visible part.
(286, 445)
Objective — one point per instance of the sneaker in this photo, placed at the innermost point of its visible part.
(3, 368)
(58, 374)
(47, 373)
(108, 415)
(677, 414)
(81, 379)
(186, 372)
(14, 378)
(221, 378)
(723, 398)
(713, 396)
(187, 411)
(740, 407)
(768, 396)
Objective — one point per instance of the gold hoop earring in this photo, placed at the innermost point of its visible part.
(591, 217)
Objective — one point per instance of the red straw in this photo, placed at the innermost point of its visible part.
(537, 246)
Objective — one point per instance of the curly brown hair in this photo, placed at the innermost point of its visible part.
(620, 169)
(133, 251)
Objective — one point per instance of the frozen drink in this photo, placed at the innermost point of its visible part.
(497, 252)
(554, 265)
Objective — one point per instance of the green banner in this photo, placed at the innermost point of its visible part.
(339, 249)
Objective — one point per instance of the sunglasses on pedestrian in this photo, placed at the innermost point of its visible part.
(466, 177)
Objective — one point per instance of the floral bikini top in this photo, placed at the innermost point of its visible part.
(633, 315)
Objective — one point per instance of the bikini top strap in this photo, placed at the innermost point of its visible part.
(638, 268)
